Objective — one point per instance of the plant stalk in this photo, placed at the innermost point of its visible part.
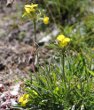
(63, 65)
(34, 39)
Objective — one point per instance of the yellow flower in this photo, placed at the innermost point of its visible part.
(46, 20)
(23, 99)
(24, 103)
(65, 41)
(26, 96)
(62, 40)
(30, 8)
(27, 8)
(60, 37)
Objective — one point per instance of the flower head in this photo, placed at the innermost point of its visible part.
(46, 20)
(24, 103)
(60, 37)
(30, 8)
(62, 40)
(23, 99)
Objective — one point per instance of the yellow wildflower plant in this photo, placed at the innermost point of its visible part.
(34, 13)
(62, 40)
(46, 20)
(23, 99)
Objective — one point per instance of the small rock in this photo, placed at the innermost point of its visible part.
(2, 67)
(2, 88)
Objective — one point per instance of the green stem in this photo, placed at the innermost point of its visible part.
(63, 63)
(34, 39)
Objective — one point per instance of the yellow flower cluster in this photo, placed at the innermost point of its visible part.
(46, 20)
(33, 12)
(23, 100)
(62, 40)
(30, 8)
